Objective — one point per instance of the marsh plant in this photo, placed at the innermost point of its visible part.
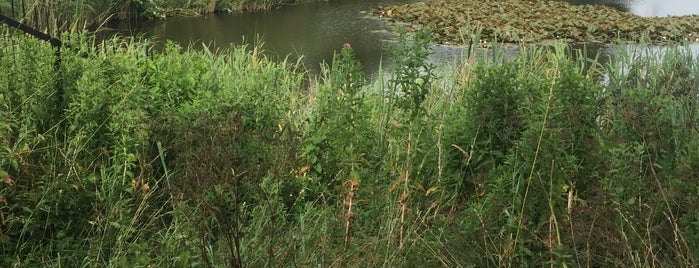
(189, 157)
(412, 75)
(651, 129)
(52, 16)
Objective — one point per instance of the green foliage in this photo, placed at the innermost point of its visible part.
(106, 193)
(59, 16)
(413, 112)
(186, 157)
(225, 144)
(412, 74)
(488, 121)
(338, 137)
(650, 127)
(523, 135)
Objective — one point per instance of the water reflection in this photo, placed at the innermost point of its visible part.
(652, 51)
(622, 5)
(662, 8)
(314, 31)
(317, 30)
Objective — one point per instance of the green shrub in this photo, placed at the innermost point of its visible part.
(338, 138)
(650, 133)
(185, 157)
(523, 134)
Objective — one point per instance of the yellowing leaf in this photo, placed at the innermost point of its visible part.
(8, 181)
(431, 190)
(303, 170)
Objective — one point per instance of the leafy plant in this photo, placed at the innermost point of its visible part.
(413, 75)
(338, 136)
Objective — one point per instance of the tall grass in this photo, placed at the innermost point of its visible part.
(106, 197)
(186, 157)
(52, 16)
(652, 102)
(57, 16)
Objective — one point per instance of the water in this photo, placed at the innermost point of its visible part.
(622, 5)
(317, 30)
(649, 8)
(313, 30)
(658, 8)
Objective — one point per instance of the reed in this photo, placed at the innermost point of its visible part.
(52, 16)
(191, 157)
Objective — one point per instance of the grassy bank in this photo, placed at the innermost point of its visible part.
(188, 158)
(55, 16)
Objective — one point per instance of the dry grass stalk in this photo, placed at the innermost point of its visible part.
(354, 185)
(404, 198)
(403, 201)
(571, 199)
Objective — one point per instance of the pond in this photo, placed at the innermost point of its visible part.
(313, 30)
(317, 30)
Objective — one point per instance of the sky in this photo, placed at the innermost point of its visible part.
(662, 8)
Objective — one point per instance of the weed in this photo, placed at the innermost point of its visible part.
(186, 157)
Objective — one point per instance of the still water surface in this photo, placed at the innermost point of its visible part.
(317, 30)
(658, 8)
(313, 30)
(648, 8)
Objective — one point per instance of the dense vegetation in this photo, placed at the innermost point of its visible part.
(56, 16)
(182, 157)
(517, 21)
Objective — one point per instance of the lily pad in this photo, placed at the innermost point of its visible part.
(514, 21)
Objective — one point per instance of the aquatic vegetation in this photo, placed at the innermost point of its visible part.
(514, 21)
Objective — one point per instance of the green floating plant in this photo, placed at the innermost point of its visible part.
(513, 21)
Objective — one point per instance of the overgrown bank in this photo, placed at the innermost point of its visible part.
(55, 16)
(190, 158)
